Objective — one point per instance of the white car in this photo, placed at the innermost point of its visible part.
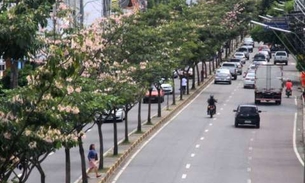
(167, 88)
(241, 56)
(249, 80)
(249, 40)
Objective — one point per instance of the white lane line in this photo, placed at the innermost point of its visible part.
(250, 148)
(251, 139)
(183, 176)
(51, 154)
(294, 140)
(249, 158)
(214, 118)
(89, 130)
(206, 130)
(249, 181)
(249, 169)
(211, 124)
(230, 96)
(198, 145)
(188, 166)
(218, 113)
(192, 155)
(224, 104)
(295, 101)
(155, 134)
(227, 100)
(221, 109)
(202, 138)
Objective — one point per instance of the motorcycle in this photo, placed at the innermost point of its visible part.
(211, 110)
(288, 93)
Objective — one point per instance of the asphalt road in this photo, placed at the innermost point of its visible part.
(193, 148)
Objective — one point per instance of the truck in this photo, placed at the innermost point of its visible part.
(268, 84)
(280, 57)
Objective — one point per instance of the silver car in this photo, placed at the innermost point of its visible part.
(223, 75)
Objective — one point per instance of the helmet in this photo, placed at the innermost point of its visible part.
(211, 96)
(288, 80)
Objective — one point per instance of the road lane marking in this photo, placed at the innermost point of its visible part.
(249, 158)
(206, 130)
(218, 113)
(249, 169)
(224, 104)
(251, 139)
(221, 109)
(202, 138)
(214, 118)
(295, 100)
(227, 100)
(230, 96)
(51, 154)
(183, 176)
(192, 155)
(188, 166)
(249, 181)
(250, 148)
(211, 124)
(198, 145)
(294, 139)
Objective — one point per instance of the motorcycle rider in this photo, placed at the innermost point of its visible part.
(211, 102)
(288, 85)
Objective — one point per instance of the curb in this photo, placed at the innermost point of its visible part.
(178, 107)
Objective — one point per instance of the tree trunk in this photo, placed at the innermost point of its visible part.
(83, 159)
(139, 126)
(42, 174)
(198, 75)
(101, 141)
(210, 69)
(181, 90)
(68, 165)
(115, 134)
(159, 102)
(174, 89)
(126, 123)
(202, 71)
(14, 74)
(149, 107)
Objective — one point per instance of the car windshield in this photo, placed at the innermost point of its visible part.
(247, 109)
(239, 54)
(243, 49)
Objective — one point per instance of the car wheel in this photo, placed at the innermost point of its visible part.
(258, 125)
(274, 62)
(278, 102)
(215, 82)
(235, 77)
(230, 82)
(257, 101)
(144, 101)
(236, 124)
(286, 63)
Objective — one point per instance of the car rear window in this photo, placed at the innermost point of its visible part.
(247, 109)
(234, 60)
(281, 54)
(228, 65)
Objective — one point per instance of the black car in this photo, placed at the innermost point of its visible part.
(247, 115)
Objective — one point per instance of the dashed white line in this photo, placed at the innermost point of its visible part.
(250, 148)
(206, 130)
(248, 169)
(221, 109)
(214, 118)
(218, 113)
(202, 138)
(295, 100)
(224, 104)
(249, 181)
(230, 96)
(249, 158)
(211, 124)
(183, 176)
(188, 166)
(198, 145)
(192, 155)
(251, 139)
(227, 100)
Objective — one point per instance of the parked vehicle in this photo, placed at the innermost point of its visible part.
(281, 57)
(167, 88)
(245, 50)
(249, 80)
(109, 117)
(154, 95)
(247, 115)
(268, 84)
(222, 75)
(232, 67)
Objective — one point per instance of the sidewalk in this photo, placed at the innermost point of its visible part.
(112, 163)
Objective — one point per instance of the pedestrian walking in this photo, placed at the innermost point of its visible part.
(183, 84)
(93, 159)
